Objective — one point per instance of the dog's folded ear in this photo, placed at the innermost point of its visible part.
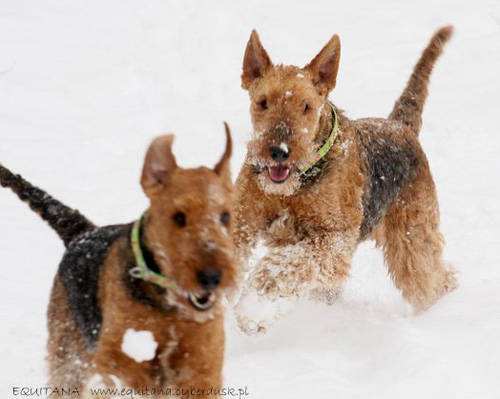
(159, 163)
(256, 61)
(324, 67)
(223, 167)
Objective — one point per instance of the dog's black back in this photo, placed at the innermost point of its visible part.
(79, 272)
(391, 164)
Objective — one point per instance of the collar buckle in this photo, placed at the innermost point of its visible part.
(135, 272)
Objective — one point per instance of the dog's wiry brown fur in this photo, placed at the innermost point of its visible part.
(374, 183)
(95, 300)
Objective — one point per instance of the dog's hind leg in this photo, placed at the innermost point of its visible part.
(413, 244)
(68, 355)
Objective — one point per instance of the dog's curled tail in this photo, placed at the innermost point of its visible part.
(409, 107)
(68, 223)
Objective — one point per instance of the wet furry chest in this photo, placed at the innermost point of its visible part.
(282, 230)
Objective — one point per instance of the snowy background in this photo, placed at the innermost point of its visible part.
(85, 85)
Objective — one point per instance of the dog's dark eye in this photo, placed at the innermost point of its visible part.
(224, 218)
(306, 107)
(263, 104)
(180, 218)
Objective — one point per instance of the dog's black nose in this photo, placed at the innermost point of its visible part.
(279, 154)
(209, 278)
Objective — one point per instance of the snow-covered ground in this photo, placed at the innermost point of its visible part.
(86, 84)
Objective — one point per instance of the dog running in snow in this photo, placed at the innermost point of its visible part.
(315, 184)
(159, 278)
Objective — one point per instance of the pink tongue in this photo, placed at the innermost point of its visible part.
(279, 173)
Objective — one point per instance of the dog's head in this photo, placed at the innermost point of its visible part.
(189, 225)
(289, 107)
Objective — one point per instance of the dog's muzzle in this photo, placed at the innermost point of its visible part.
(202, 302)
(280, 172)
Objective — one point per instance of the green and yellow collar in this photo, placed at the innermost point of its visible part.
(141, 270)
(323, 150)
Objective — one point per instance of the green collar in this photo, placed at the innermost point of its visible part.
(325, 147)
(141, 270)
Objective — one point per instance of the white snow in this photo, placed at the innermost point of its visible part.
(96, 381)
(116, 381)
(257, 313)
(284, 147)
(288, 94)
(300, 75)
(139, 345)
(85, 86)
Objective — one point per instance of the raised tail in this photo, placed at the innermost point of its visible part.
(409, 107)
(68, 223)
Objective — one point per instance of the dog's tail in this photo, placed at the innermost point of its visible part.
(408, 108)
(68, 223)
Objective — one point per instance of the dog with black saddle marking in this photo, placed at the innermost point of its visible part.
(138, 305)
(315, 184)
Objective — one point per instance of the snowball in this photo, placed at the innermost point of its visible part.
(288, 94)
(139, 345)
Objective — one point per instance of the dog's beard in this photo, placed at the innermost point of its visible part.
(286, 188)
(261, 168)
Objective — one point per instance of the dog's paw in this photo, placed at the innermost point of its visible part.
(256, 314)
(251, 327)
(451, 279)
(272, 286)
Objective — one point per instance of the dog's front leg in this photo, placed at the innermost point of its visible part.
(316, 268)
(249, 223)
(309, 266)
(334, 266)
(286, 271)
(278, 280)
(194, 358)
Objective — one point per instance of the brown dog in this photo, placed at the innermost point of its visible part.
(315, 183)
(139, 305)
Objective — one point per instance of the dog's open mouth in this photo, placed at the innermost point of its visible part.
(279, 174)
(202, 302)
